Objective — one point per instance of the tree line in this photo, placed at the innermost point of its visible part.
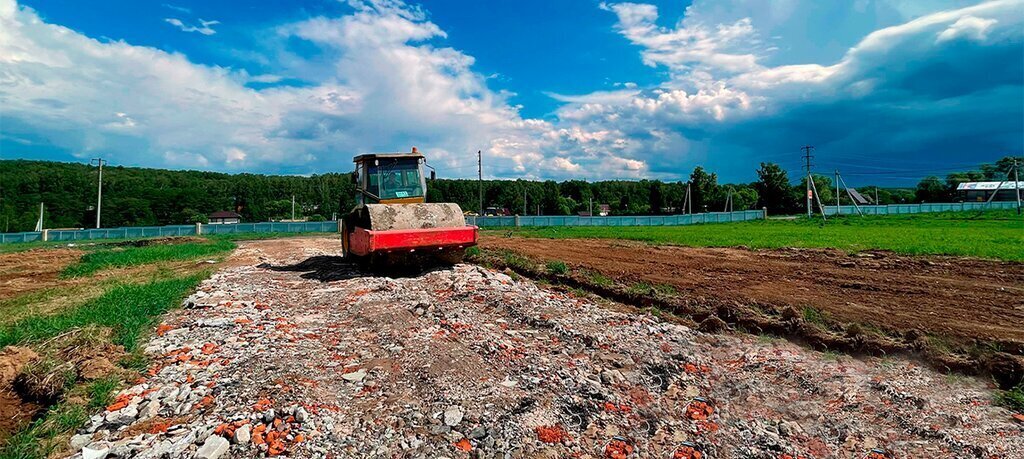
(146, 197)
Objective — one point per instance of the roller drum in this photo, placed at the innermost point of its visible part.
(414, 216)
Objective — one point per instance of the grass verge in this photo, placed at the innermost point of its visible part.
(127, 309)
(135, 256)
(993, 234)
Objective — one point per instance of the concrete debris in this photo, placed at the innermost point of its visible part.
(324, 361)
(213, 448)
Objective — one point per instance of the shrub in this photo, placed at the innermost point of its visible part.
(557, 267)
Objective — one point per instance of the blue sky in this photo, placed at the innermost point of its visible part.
(887, 90)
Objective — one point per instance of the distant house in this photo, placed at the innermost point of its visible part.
(604, 209)
(982, 191)
(224, 217)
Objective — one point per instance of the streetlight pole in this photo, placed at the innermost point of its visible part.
(99, 188)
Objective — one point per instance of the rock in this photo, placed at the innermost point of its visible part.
(268, 416)
(301, 415)
(96, 368)
(453, 416)
(355, 376)
(220, 323)
(477, 433)
(123, 416)
(149, 409)
(242, 434)
(214, 447)
(79, 441)
(95, 451)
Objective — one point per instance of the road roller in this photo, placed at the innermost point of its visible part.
(392, 224)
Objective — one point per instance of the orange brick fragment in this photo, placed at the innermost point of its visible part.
(464, 445)
(159, 427)
(210, 348)
(687, 452)
(163, 329)
(699, 410)
(618, 449)
(552, 434)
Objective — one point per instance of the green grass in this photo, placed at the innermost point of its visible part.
(128, 309)
(646, 288)
(1012, 399)
(814, 316)
(599, 279)
(37, 440)
(120, 257)
(992, 234)
(101, 392)
(557, 267)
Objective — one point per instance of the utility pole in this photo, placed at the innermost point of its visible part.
(293, 207)
(524, 200)
(1016, 184)
(807, 166)
(99, 188)
(876, 195)
(480, 178)
(591, 206)
(838, 211)
(687, 203)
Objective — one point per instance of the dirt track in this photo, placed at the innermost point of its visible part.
(943, 295)
(313, 358)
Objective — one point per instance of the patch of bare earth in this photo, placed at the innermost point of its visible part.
(290, 350)
(958, 297)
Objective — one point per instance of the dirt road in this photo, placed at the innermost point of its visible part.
(943, 295)
(312, 358)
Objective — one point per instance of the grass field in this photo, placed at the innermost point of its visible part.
(127, 309)
(147, 254)
(994, 234)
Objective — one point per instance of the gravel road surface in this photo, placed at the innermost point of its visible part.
(289, 351)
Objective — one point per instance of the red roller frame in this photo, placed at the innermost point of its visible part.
(363, 242)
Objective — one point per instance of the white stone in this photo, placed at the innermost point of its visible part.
(214, 447)
(453, 416)
(354, 376)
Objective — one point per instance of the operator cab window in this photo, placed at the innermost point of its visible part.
(395, 179)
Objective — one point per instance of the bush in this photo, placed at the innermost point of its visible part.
(557, 267)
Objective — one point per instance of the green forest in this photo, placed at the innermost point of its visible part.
(142, 197)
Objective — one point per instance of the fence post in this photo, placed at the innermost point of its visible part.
(46, 235)
(517, 221)
(199, 229)
(764, 213)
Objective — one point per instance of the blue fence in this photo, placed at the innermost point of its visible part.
(138, 232)
(898, 209)
(643, 220)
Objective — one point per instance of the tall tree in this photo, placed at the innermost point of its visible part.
(703, 187)
(773, 189)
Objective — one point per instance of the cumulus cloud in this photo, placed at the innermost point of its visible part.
(724, 100)
(382, 79)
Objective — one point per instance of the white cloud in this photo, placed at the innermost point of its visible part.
(203, 27)
(383, 80)
(967, 27)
